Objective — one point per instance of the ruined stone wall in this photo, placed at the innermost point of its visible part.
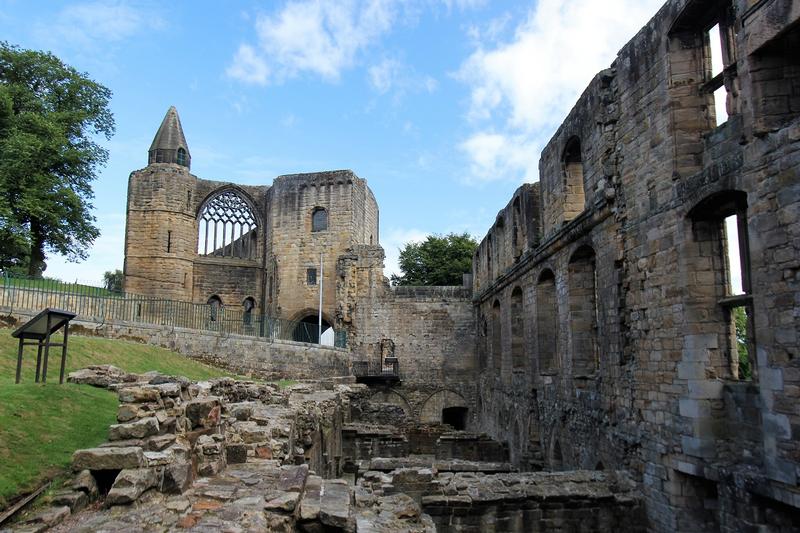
(161, 239)
(430, 330)
(642, 370)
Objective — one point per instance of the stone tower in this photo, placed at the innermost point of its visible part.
(160, 235)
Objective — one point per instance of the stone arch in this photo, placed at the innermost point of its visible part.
(303, 326)
(547, 321)
(434, 406)
(391, 397)
(572, 166)
(583, 316)
(517, 314)
(227, 224)
(214, 307)
(556, 455)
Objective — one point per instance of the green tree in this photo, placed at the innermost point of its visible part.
(112, 280)
(50, 119)
(740, 321)
(438, 260)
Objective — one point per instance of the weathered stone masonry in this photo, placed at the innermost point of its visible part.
(620, 251)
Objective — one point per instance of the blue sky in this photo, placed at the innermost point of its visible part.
(442, 105)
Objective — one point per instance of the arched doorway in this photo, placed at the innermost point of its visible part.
(307, 330)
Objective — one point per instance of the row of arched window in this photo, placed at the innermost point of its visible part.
(582, 314)
(215, 308)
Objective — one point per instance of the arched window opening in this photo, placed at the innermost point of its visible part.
(214, 308)
(546, 322)
(319, 219)
(247, 310)
(227, 227)
(575, 198)
(583, 312)
(719, 227)
(181, 157)
(557, 458)
(517, 331)
(497, 340)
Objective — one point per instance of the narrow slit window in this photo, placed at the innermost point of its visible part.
(169, 241)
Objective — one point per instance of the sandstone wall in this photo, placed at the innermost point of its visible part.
(430, 330)
(641, 371)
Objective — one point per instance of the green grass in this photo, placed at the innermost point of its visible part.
(56, 285)
(41, 425)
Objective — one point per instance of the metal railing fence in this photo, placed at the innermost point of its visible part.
(98, 304)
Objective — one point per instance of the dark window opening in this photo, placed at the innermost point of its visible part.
(456, 417)
(169, 241)
(181, 157)
(319, 219)
(247, 310)
(311, 276)
(557, 458)
(214, 307)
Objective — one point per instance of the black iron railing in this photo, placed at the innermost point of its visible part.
(97, 304)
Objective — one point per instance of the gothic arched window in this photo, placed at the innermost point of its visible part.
(228, 227)
(181, 157)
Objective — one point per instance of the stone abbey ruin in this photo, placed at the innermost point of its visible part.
(602, 369)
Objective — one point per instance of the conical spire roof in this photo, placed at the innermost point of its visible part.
(169, 140)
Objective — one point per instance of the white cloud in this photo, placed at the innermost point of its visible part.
(395, 76)
(497, 156)
(248, 66)
(318, 37)
(393, 241)
(520, 90)
(91, 26)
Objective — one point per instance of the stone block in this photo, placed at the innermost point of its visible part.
(144, 427)
(74, 499)
(108, 458)
(139, 395)
(204, 412)
(130, 484)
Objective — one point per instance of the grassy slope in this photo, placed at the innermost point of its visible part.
(41, 425)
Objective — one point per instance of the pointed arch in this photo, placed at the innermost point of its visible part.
(227, 225)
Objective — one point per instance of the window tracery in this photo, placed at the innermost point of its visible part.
(227, 227)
